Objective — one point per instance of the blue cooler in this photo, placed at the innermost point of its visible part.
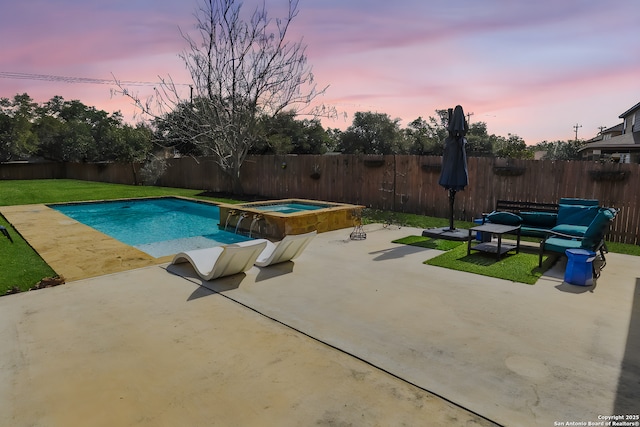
(579, 269)
(480, 236)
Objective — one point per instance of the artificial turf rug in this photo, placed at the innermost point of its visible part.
(521, 267)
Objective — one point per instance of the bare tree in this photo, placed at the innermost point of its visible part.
(241, 69)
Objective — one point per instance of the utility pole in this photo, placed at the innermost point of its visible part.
(469, 118)
(575, 128)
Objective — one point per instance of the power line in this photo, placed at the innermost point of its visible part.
(85, 80)
(575, 128)
(469, 117)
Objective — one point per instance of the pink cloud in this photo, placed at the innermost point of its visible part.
(520, 67)
(52, 35)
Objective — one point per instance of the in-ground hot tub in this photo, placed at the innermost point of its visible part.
(275, 219)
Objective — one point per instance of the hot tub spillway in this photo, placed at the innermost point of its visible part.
(256, 218)
(243, 215)
(230, 214)
(269, 220)
(238, 224)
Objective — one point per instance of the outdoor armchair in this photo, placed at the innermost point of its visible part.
(593, 238)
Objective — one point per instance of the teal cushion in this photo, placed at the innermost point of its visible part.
(526, 230)
(572, 230)
(558, 244)
(539, 219)
(582, 202)
(595, 232)
(576, 214)
(505, 218)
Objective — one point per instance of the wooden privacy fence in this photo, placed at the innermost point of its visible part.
(117, 173)
(410, 184)
(399, 183)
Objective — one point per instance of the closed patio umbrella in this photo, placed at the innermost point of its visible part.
(453, 176)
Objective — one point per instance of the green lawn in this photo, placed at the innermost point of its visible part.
(68, 190)
(408, 220)
(21, 266)
(623, 248)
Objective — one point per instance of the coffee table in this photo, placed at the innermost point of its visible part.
(498, 247)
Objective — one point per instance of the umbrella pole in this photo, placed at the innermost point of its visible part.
(452, 197)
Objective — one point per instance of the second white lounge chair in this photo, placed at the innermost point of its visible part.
(211, 263)
(288, 248)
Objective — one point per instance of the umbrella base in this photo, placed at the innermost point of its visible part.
(460, 234)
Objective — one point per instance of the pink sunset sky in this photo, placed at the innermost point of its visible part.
(534, 69)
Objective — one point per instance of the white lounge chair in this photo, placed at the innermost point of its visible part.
(288, 248)
(211, 263)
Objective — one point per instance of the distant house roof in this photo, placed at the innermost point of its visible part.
(617, 128)
(627, 141)
(630, 110)
(617, 140)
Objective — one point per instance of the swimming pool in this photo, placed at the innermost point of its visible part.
(158, 226)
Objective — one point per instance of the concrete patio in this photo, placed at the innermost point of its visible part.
(351, 333)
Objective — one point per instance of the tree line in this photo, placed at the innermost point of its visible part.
(69, 131)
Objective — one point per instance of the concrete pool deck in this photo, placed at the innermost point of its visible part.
(351, 333)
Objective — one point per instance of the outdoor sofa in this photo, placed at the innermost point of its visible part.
(570, 217)
(572, 224)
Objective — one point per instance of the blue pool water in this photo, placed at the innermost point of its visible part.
(158, 227)
(288, 208)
